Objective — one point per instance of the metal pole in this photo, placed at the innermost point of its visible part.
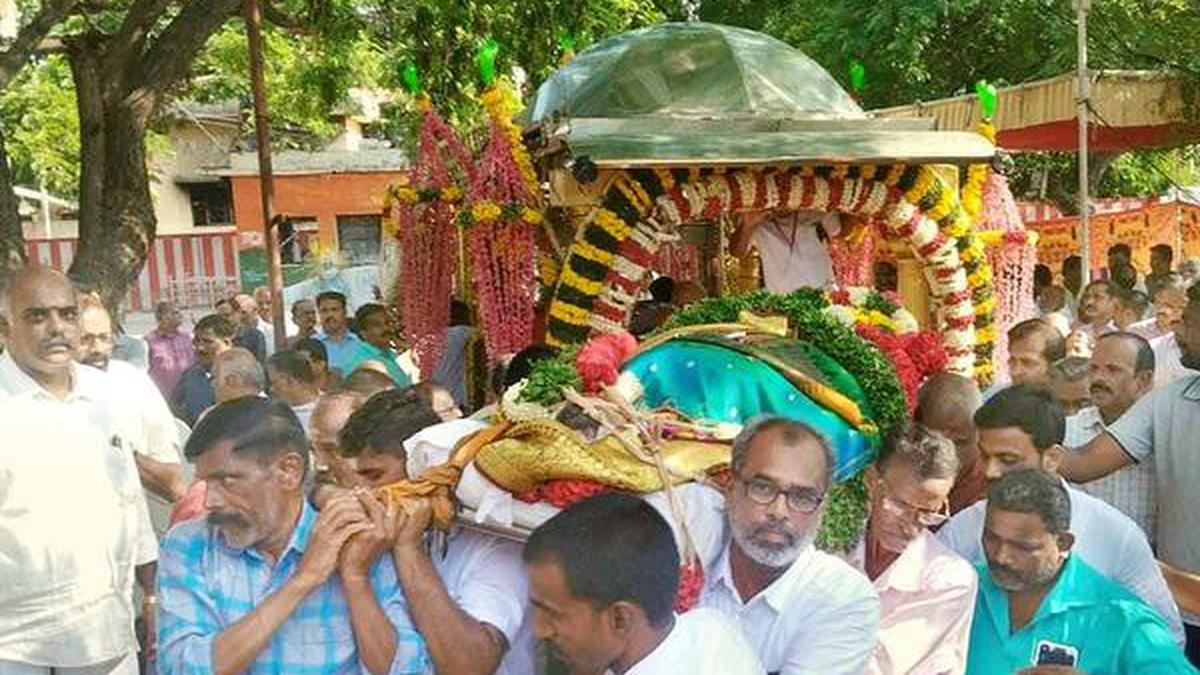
(266, 176)
(1082, 7)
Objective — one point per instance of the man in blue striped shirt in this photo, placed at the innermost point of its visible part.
(265, 584)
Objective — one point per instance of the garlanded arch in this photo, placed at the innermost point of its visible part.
(616, 244)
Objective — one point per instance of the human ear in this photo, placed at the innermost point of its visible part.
(1052, 458)
(290, 470)
(622, 617)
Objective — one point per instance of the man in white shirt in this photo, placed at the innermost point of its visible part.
(1022, 428)
(152, 428)
(603, 576)
(469, 601)
(1122, 372)
(791, 249)
(805, 612)
(1168, 360)
(294, 381)
(66, 574)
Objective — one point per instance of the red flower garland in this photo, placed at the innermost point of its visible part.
(563, 493)
(599, 361)
(691, 584)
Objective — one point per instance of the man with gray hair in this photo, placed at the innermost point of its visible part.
(919, 580)
(237, 373)
(1042, 609)
(802, 610)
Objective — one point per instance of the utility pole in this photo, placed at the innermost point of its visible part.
(1082, 7)
(266, 176)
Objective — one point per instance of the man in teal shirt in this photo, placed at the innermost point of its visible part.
(1043, 611)
(375, 329)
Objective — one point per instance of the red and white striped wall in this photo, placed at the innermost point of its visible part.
(192, 269)
(1038, 212)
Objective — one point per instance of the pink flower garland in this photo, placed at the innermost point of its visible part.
(427, 237)
(1012, 264)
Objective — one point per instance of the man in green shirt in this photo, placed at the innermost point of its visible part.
(374, 327)
(1043, 611)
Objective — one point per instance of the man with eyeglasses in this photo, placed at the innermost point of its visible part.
(804, 611)
(926, 591)
(1022, 427)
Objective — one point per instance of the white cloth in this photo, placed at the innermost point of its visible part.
(485, 577)
(150, 426)
(304, 413)
(820, 618)
(126, 665)
(1131, 490)
(702, 642)
(73, 523)
(1168, 360)
(268, 332)
(1105, 538)
(792, 255)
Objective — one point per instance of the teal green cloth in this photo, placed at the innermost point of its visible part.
(711, 383)
(388, 358)
(1114, 632)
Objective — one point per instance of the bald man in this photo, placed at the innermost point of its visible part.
(947, 404)
(249, 335)
(152, 427)
(75, 534)
(237, 373)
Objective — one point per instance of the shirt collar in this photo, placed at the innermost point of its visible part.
(300, 534)
(1089, 418)
(1192, 391)
(19, 383)
(1071, 591)
(907, 573)
(778, 593)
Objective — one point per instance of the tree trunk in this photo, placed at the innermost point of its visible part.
(114, 244)
(12, 238)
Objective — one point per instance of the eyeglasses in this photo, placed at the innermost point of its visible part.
(799, 500)
(923, 517)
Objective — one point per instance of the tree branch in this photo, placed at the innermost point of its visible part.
(282, 19)
(13, 58)
(170, 57)
(139, 21)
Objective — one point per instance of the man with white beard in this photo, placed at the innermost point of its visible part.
(805, 612)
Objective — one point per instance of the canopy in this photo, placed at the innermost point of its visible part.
(700, 94)
(1130, 109)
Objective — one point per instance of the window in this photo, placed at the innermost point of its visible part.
(211, 204)
(359, 238)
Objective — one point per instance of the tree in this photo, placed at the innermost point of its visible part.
(12, 59)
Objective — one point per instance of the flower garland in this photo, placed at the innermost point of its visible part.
(421, 211)
(501, 237)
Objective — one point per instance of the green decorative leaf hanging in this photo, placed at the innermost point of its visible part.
(987, 98)
(412, 80)
(485, 58)
(858, 76)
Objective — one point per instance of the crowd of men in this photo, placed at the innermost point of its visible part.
(229, 517)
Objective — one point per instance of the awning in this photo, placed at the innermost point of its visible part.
(1131, 109)
(674, 142)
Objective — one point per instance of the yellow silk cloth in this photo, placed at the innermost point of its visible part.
(439, 482)
(533, 452)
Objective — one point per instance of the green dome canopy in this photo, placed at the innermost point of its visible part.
(693, 70)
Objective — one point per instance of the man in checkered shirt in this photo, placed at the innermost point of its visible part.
(265, 583)
(1122, 371)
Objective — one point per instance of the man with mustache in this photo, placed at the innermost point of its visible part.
(802, 610)
(1042, 610)
(926, 591)
(602, 577)
(1122, 372)
(75, 533)
(194, 392)
(1022, 428)
(152, 428)
(1097, 308)
(1163, 425)
(265, 584)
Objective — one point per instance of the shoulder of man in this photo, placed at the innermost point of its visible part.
(834, 582)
